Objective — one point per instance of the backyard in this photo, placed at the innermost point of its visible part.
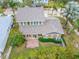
(47, 50)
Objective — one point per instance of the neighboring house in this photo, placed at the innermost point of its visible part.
(5, 26)
(8, 12)
(33, 23)
(21, 1)
(39, 2)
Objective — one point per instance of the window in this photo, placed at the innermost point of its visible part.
(35, 36)
(34, 23)
(39, 34)
(24, 23)
(21, 23)
(40, 22)
(37, 23)
(29, 35)
(28, 23)
(31, 23)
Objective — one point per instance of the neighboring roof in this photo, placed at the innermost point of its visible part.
(40, 1)
(5, 23)
(21, 1)
(51, 26)
(8, 11)
(30, 14)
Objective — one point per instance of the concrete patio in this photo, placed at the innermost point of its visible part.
(32, 43)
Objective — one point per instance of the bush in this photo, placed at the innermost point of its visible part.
(41, 39)
(1, 9)
(18, 39)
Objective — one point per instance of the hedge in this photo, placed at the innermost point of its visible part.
(41, 39)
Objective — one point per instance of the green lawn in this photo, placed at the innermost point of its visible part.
(43, 52)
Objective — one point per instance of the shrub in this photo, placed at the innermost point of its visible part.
(41, 39)
(18, 39)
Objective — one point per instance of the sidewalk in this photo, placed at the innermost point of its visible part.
(8, 52)
(0, 56)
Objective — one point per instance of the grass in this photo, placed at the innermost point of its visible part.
(53, 4)
(1, 9)
(69, 38)
(43, 52)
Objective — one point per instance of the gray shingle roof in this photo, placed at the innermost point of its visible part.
(30, 14)
(51, 26)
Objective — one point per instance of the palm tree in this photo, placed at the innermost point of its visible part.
(4, 4)
(13, 5)
(71, 11)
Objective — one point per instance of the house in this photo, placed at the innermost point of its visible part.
(5, 26)
(39, 2)
(21, 1)
(8, 12)
(33, 23)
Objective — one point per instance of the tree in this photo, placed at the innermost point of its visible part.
(60, 1)
(4, 4)
(27, 2)
(1, 9)
(18, 39)
(71, 11)
(13, 5)
(77, 24)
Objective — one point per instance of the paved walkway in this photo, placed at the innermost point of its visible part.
(0, 56)
(32, 43)
(8, 53)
